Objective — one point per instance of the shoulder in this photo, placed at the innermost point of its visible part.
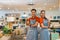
(41, 18)
(37, 17)
(29, 18)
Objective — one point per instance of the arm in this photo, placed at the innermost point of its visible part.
(34, 25)
(27, 23)
(42, 25)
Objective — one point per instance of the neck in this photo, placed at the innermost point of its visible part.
(33, 16)
(42, 17)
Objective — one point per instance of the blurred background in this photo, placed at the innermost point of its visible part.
(13, 15)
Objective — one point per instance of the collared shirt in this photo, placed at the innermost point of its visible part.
(36, 18)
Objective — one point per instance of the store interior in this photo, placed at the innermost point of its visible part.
(14, 13)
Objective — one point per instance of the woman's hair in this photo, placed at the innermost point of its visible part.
(45, 18)
(41, 13)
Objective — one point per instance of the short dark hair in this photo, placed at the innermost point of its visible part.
(33, 10)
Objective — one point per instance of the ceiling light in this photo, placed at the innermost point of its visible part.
(45, 3)
(50, 8)
(8, 8)
(0, 8)
(54, 6)
(30, 2)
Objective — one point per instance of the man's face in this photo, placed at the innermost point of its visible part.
(33, 13)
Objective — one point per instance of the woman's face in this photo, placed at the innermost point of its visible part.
(42, 14)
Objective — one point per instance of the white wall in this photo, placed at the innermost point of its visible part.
(52, 13)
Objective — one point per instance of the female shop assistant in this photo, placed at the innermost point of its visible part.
(32, 33)
(44, 23)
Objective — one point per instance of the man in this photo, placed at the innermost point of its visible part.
(32, 22)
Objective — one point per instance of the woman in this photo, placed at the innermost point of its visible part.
(32, 33)
(44, 23)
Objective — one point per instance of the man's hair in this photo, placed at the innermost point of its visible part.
(33, 10)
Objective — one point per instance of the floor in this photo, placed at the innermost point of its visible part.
(5, 38)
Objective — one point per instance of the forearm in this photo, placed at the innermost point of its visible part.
(28, 23)
(42, 26)
(34, 25)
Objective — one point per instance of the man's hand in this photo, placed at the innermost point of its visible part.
(35, 25)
